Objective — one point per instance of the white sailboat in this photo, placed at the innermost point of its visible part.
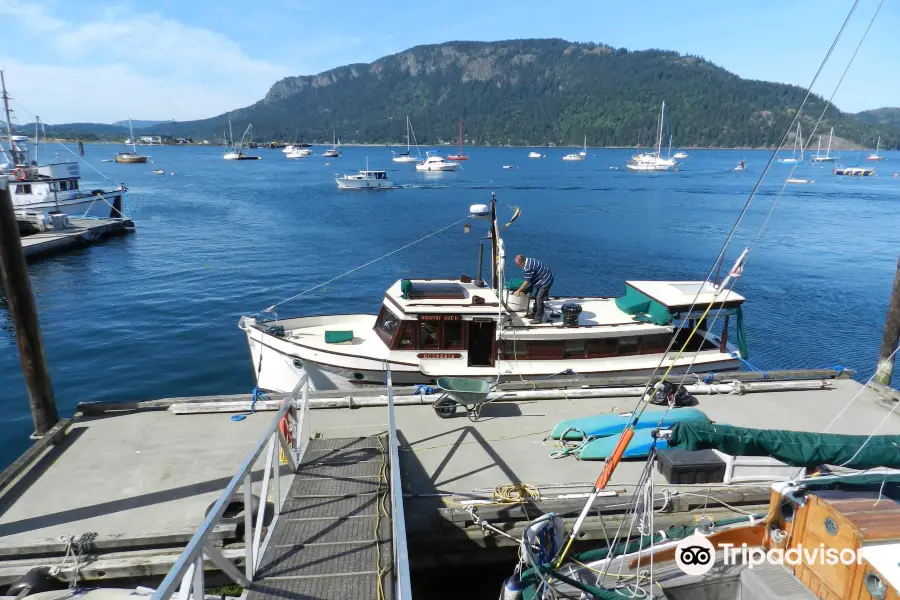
(793, 159)
(334, 152)
(821, 158)
(653, 161)
(130, 157)
(406, 157)
(237, 152)
(579, 155)
(875, 157)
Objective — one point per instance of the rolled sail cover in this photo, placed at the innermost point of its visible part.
(795, 448)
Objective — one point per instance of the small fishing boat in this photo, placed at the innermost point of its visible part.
(579, 155)
(534, 154)
(680, 155)
(130, 157)
(464, 327)
(459, 155)
(364, 180)
(653, 161)
(406, 157)
(435, 162)
(827, 157)
(796, 180)
(510, 167)
(298, 152)
(237, 152)
(334, 152)
(159, 171)
(793, 159)
(875, 157)
(854, 171)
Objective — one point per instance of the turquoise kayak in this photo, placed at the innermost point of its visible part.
(612, 423)
(638, 447)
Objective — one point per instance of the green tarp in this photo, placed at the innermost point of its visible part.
(795, 448)
(338, 337)
(643, 308)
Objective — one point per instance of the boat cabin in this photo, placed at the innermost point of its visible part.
(374, 174)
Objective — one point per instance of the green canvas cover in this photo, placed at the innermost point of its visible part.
(405, 288)
(795, 448)
(644, 309)
(338, 337)
(514, 284)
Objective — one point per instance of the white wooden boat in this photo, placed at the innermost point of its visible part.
(436, 162)
(680, 155)
(653, 161)
(406, 157)
(364, 180)
(430, 328)
(534, 154)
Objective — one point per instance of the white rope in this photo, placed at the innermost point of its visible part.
(353, 270)
(858, 393)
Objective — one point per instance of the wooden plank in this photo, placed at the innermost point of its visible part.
(109, 542)
(25, 461)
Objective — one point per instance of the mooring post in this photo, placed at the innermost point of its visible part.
(891, 335)
(22, 312)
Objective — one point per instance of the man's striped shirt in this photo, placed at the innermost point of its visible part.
(537, 273)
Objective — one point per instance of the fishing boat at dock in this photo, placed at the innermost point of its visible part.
(463, 327)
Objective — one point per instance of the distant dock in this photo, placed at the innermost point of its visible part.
(82, 233)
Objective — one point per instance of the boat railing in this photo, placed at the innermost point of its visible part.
(402, 587)
(186, 576)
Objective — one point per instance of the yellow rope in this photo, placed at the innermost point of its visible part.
(381, 510)
(515, 493)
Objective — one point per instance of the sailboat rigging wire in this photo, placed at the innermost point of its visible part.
(858, 393)
(354, 269)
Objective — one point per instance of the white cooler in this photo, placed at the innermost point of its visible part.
(515, 302)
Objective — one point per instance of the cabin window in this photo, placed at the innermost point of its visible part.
(430, 334)
(545, 350)
(628, 346)
(63, 186)
(575, 349)
(386, 324)
(601, 347)
(23, 188)
(453, 335)
(655, 344)
(73, 184)
(407, 337)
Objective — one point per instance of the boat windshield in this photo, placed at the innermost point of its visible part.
(386, 325)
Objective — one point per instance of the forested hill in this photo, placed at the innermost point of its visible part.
(881, 116)
(531, 92)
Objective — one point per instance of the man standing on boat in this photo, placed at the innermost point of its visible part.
(539, 278)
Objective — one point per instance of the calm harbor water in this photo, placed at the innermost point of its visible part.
(155, 314)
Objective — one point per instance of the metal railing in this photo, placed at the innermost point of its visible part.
(186, 575)
(402, 589)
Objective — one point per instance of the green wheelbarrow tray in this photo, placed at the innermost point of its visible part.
(459, 391)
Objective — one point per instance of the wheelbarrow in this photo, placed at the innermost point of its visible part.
(471, 394)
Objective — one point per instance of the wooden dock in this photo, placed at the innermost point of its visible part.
(83, 232)
(139, 477)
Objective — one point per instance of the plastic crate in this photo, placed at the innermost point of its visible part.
(690, 466)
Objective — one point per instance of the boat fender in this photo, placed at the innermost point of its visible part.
(35, 581)
(20, 173)
(512, 588)
(235, 509)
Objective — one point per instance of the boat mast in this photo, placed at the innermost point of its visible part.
(830, 135)
(662, 118)
(407, 134)
(231, 133)
(800, 137)
(37, 138)
(131, 128)
(497, 285)
(12, 154)
(459, 145)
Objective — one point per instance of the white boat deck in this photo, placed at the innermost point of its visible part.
(310, 332)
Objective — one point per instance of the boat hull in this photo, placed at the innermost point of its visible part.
(363, 184)
(130, 159)
(405, 159)
(436, 167)
(109, 206)
(458, 157)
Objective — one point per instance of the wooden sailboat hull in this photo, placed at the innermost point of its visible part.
(457, 157)
(130, 159)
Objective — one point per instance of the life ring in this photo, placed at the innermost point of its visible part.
(20, 173)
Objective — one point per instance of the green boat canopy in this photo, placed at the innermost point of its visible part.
(795, 448)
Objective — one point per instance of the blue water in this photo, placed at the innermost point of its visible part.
(155, 314)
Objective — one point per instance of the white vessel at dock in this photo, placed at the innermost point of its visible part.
(430, 328)
(436, 162)
(41, 189)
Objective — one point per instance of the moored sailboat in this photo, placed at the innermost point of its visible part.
(406, 157)
(576, 156)
(237, 151)
(827, 157)
(653, 161)
(875, 156)
(459, 153)
(130, 157)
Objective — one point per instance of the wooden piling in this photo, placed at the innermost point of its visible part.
(23, 313)
(891, 337)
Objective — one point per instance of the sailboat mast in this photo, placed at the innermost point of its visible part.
(459, 145)
(131, 129)
(37, 137)
(407, 134)
(9, 135)
(800, 137)
(830, 135)
(662, 118)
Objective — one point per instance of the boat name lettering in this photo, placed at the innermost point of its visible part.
(440, 317)
(439, 355)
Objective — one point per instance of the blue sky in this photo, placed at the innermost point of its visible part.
(186, 59)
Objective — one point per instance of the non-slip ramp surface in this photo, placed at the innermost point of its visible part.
(333, 537)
